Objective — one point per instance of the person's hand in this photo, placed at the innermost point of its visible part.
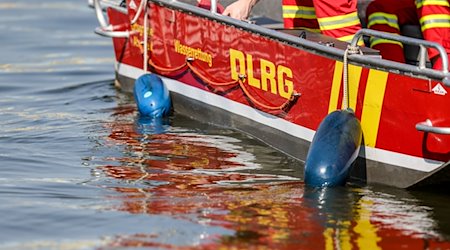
(239, 9)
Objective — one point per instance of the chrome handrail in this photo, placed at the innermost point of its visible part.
(105, 28)
(111, 33)
(427, 126)
(214, 6)
(99, 13)
(138, 12)
(408, 40)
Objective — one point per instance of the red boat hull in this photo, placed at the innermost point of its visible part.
(280, 92)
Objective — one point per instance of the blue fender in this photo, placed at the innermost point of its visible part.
(335, 146)
(152, 96)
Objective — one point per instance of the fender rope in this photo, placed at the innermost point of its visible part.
(351, 50)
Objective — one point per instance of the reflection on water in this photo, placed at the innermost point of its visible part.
(212, 181)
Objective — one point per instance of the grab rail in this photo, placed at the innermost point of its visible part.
(138, 12)
(105, 28)
(408, 40)
(427, 126)
(111, 33)
(214, 6)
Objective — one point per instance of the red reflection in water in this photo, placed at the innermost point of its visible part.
(187, 175)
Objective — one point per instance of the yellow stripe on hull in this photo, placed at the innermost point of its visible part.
(354, 76)
(373, 97)
(373, 104)
(335, 87)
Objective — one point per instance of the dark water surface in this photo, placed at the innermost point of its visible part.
(80, 170)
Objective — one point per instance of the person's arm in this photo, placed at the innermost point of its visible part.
(240, 9)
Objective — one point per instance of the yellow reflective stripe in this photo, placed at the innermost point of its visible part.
(346, 38)
(375, 41)
(335, 86)
(337, 22)
(383, 18)
(296, 8)
(435, 21)
(349, 39)
(309, 29)
(435, 25)
(372, 105)
(332, 19)
(421, 3)
(299, 12)
(299, 15)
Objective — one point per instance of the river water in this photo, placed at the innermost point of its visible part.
(81, 170)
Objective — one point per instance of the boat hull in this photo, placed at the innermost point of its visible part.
(364, 170)
(303, 84)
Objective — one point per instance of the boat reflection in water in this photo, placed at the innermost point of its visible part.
(219, 196)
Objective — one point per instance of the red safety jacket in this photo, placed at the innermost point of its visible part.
(432, 15)
(337, 18)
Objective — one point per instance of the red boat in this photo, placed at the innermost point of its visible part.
(278, 84)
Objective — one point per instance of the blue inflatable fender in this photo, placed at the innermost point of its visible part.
(335, 146)
(152, 96)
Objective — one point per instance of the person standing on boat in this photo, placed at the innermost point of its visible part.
(389, 16)
(338, 18)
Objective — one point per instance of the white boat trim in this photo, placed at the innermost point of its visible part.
(374, 154)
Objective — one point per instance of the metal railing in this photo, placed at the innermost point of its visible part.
(427, 126)
(213, 6)
(423, 44)
(105, 28)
